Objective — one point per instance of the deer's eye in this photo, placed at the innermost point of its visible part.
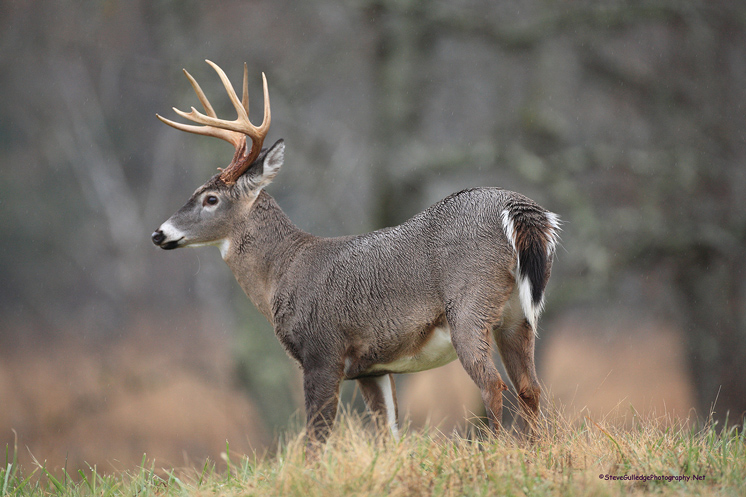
(210, 200)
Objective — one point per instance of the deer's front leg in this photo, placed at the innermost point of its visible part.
(321, 391)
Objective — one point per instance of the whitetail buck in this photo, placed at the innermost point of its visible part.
(398, 300)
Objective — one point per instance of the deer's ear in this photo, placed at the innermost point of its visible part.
(264, 170)
(273, 161)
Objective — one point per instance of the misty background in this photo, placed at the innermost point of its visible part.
(626, 118)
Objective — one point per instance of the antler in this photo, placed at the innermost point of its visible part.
(234, 132)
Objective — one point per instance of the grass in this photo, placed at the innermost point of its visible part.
(570, 458)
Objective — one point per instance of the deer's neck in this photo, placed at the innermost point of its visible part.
(263, 246)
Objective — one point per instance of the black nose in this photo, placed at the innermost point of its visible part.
(158, 237)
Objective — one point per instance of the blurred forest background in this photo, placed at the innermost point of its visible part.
(627, 118)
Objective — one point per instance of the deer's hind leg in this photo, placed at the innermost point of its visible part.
(516, 346)
(379, 393)
(471, 336)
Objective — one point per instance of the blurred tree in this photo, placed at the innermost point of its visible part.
(690, 185)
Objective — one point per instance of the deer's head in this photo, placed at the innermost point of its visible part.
(207, 217)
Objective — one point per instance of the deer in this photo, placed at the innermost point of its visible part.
(470, 269)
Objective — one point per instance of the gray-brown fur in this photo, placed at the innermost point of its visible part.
(347, 307)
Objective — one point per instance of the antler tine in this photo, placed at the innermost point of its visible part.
(245, 98)
(243, 115)
(232, 137)
(200, 94)
(267, 119)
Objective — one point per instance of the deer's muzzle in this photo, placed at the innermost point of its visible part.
(160, 239)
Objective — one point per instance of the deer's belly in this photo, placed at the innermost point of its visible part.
(437, 351)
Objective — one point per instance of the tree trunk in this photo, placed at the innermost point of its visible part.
(400, 61)
(710, 286)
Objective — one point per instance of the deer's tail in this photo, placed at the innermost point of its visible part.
(533, 233)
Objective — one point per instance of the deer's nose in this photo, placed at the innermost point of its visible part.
(158, 237)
